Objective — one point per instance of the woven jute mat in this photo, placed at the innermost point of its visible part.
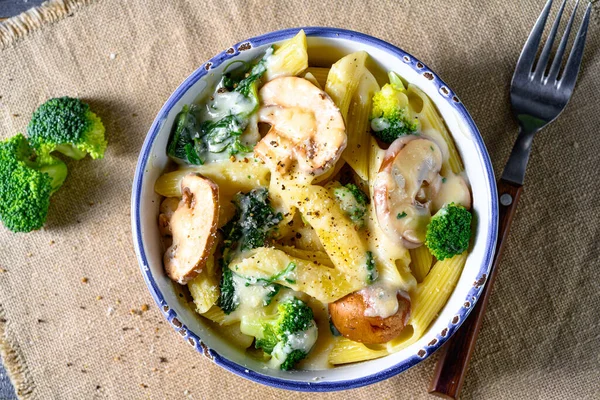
(71, 295)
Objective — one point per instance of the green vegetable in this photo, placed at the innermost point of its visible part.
(390, 116)
(250, 227)
(353, 202)
(192, 137)
(372, 273)
(248, 85)
(181, 146)
(66, 125)
(272, 291)
(449, 231)
(224, 135)
(401, 215)
(287, 336)
(26, 184)
(253, 222)
(228, 301)
(286, 274)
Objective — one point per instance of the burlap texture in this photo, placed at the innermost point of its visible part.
(65, 339)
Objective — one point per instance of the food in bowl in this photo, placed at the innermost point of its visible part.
(318, 215)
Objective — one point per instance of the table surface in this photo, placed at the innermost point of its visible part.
(8, 8)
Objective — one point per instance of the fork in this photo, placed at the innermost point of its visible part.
(538, 95)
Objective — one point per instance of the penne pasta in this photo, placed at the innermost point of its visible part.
(346, 351)
(216, 314)
(290, 59)
(421, 262)
(204, 288)
(320, 74)
(430, 297)
(231, 177)
(358, 126)
(310, 255)
(232, 334)
(311, 78)
(336, 232)
(344, 78)
(319, 281)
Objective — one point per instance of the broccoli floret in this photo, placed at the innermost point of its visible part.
(66, 125)
(26, 184)
(254, 220)
(449, 231)
(353, 202)
(390, 116)
(287, 336)
(252, 224)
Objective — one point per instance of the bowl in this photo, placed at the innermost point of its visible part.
(326, 45)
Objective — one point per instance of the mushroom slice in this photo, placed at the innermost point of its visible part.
(193, 226)
(403, 189)
(351, 317)
(167, 208)
(307, 128)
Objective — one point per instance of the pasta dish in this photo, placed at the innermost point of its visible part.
(318, 215)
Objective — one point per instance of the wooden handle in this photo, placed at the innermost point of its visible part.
(454, 358)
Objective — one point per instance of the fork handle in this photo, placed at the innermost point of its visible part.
(454, 357)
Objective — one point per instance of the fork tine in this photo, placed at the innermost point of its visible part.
(527, 57)
(561, 48)
(574, 62)
(543, 61)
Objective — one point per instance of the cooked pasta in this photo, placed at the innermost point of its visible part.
(320, 74)
(312, 79)
(204, 288)
(290, 59)
(307, 207)
(344, 78)
(421, 262)
(359, 135)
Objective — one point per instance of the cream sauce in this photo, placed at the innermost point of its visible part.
(380, 299)
(452, 189)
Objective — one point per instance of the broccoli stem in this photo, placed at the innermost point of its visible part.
(71, 151)
(58, 173)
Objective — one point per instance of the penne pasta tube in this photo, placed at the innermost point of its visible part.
(358, 127)
(273, 265)
(344, 78)
(421, 262)
(290, 59)
(320, 74)
(231, 177)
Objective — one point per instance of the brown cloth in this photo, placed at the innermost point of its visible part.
(71, 295)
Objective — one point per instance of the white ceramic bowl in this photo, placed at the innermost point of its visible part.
(326, 45)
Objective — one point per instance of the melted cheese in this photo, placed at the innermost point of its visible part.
(380, 299)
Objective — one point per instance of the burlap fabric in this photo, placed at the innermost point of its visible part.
(71, 295)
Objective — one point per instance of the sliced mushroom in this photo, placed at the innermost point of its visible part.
(404, 187)
(167, 208)
(350, 316)
(307, 129)
(193, 226)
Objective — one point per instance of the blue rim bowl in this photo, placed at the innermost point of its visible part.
(467, 299)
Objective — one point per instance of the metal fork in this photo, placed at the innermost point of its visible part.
(538, 95)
